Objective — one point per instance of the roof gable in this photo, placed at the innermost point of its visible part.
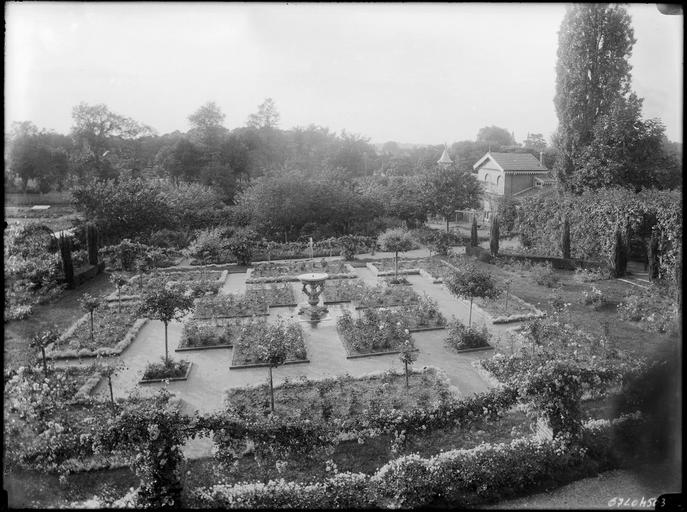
(512, 162)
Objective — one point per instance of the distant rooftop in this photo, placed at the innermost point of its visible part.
(513, 162)
(445, 159)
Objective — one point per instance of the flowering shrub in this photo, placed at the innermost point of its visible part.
(461, 337)
(378, 330)
(594, 298)
(424, 314)
(202, 334)
(123, 256)
(250, 334)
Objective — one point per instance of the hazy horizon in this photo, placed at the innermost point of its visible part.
(411, 73)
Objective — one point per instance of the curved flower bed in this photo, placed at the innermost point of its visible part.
(378, 331)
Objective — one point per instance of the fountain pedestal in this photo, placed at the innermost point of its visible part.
(313, 284)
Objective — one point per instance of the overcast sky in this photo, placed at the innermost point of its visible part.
(416, 73)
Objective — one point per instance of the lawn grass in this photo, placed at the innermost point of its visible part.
(625, 336)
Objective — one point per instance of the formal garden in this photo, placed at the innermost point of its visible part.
(261, 317)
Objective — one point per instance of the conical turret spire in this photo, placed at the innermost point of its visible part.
(445, 159)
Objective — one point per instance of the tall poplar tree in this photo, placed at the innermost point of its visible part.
(593, 71)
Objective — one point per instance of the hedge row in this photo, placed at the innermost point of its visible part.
(487, 473)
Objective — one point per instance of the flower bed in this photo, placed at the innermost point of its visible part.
(250, 334)
(653, 312)
(275, 295)
(285, 272)
(198, 334)
(229, 306)
(462, 338)
(198, 281)
(113, 332)
(386, 296)
(342, 290)
(378, 331)
(166, 370)
(424, 316)
(346, 398)
(384, 268)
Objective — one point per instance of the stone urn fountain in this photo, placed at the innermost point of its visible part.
(313, 284)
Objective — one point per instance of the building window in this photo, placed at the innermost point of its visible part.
(486, 177)
(498, 180)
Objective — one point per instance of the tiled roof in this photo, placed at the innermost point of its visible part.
(515, 161)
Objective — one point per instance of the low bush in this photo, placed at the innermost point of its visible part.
(461, 337)
(165, 369)
(654, 312)
(378, 330)
(202, 334)
(587, 275)
(594, 298)
(544, 275)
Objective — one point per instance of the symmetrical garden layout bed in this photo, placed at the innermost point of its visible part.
(113, 333)
(213, 279)
(342, 290)
(254, 332)
(229, 306)
(349, 397)
(210, 334)
(377, 332)
(386, 296)
(289, 271)
(274, 294)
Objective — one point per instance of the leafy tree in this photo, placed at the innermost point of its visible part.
(273, 350)
(123, 208)
(207, 126)
(165, 302)
(471, 282)
(535, 141)
(449, 190)
(495, 136)
(41, 340)
(408, 356)
(89, 304)
(241, 243)
(592, 73)
(182, 161)
(118, 280)
(352, 154)
(267, 115)
(95, 130)
(626, 151)
(494, 236)
(395, 240)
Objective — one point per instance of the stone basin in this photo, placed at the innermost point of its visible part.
(313, 278)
